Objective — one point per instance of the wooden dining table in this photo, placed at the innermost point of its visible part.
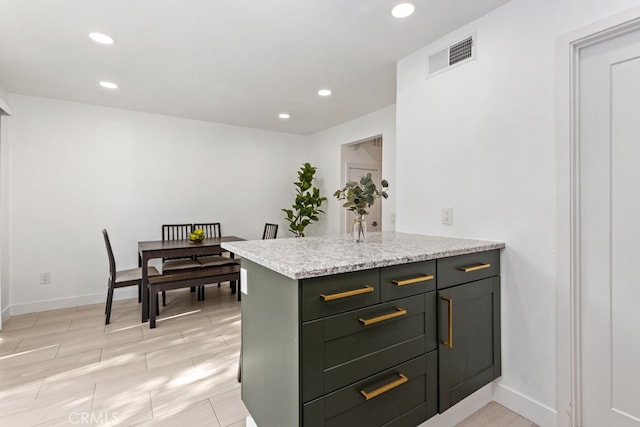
(153, 249)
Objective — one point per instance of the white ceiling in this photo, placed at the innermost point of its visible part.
(239, 62)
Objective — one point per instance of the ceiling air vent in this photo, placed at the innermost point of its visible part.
(457, 53)
(461, 51)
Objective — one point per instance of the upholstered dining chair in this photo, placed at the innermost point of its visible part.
(121, 278)
(270, 231)
(173, 264)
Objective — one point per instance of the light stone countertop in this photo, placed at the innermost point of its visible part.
(304, 257)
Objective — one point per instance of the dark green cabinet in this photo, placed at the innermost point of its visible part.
(468, 327)
(389, 346)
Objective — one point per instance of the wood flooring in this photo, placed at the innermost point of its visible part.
(66, 368)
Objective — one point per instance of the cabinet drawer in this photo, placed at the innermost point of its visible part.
(327, 295)
(467, 268)
(345, 348)
(404, 395)
(405, 280)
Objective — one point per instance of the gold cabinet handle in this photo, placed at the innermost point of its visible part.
(399, 312)
(474, 268)
(424, 278)
(449, 341)
(385, 388)
(346, 294)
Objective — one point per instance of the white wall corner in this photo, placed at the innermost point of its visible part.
(5, 109)
(6, 313)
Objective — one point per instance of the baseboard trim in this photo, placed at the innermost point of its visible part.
(58, 303)
(532, 410)
(6, 313)
(462, 409)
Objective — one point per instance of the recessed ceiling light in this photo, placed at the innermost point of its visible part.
(324, 92)
(403, 10)
(108, 85)
(101, 38)
(284, 115)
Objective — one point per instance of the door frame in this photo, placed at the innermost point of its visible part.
(569, 285)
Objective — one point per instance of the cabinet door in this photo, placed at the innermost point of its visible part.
(469, 339)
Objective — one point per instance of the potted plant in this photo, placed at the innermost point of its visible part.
(307, 203)
(359, 197)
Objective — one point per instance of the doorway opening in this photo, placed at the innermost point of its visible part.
(358, 159)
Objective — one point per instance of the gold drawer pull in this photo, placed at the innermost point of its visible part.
(474, 268)
(399, 312)
(385, 388)
(346, 294)
(449, 341)
(412, 281)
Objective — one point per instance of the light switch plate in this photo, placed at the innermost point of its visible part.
(447, 216)
(45, 278)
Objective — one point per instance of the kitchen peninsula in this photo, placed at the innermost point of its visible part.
(386, 332)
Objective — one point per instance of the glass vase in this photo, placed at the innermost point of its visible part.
(359, 229)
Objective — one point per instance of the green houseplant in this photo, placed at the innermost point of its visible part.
(307, 204)
(359, 196)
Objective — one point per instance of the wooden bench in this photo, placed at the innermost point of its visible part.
(186, 279)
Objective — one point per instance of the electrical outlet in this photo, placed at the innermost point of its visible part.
(45, 278)
(447, 216)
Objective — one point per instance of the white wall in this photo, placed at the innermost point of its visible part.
(4, 211)
(324, 148)
(76, 168)
(72, 169)
(479, 138)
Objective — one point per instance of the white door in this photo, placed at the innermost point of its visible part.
(609, 228)
(373, 219)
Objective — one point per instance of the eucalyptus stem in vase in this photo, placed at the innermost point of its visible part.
(359, 196)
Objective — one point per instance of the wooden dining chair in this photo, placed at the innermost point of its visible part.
(270, 231)
(174, 264)
(121, 278)
(211, 229)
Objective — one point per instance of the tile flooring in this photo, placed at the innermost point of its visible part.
(65, 367)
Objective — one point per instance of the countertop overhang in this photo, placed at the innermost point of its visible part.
(306, 257)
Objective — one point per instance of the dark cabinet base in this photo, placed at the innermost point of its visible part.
(388, 347)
